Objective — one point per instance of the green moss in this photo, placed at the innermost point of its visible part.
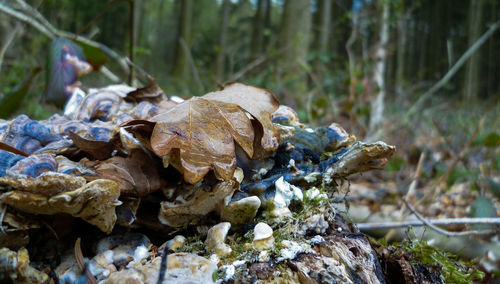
(194, 244)
(452, 269)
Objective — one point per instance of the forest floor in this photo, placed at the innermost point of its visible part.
(447, 165)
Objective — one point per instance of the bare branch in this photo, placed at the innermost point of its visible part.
(473, 48)
(27, 19)
(50, 31)
(196, 75)
(433, 223)
(436, 222)
(7, 43)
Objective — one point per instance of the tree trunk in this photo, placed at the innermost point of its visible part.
(221, 53)
(323, 25)
(472, 68)
(400, 61)
(296, 24)
(267, 26)
(181, 65)
(377, 105)
(257, 31)
(492, 55)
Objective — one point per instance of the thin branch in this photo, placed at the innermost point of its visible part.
(106, 9)
(411, 192)
(444, 178)
(27, 19)
(196, 75)
(350, 54)
(445, 232)
(435, 222)
(164, 264)
(35, 14)
(480, 125)
(131, 74)
(9, 40)
(3, 210)
(454, 69)
(51, 32)
(259, 60)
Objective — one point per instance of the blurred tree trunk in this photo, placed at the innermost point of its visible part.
(421, 38)
(472, 68)
(139, 9)
(181, 64)
(257, 30)
(377, 105)
(323, 25)
(401, 51)
(296, 25)
(267, 26)
(221, 52)
(492, 55)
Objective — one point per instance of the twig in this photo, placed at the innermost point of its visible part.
(3, 210)
(413, 184)
(139, 69)
(9, 40)
(131, 74)
(27, 19)
(445, 176)
(435, 222)
(445, 232)
(50, 31)
(111, 76)
(80, 261)
(436, 87)
(35, 14)
(259, 60)
(106, 9)
(164, 264)
(410, 192)
(192, 64)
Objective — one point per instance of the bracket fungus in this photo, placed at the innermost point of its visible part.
(122, 158)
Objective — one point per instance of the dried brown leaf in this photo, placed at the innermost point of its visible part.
(11, 149)
(204, 129)
(99, 150)
(260, 103)
(135, 174)
(151, 93)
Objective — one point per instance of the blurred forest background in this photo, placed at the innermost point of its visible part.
(394, 69)
(422, 75)
(419, 74)
(326, 57)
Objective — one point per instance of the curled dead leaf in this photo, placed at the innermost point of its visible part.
(204, 129)
(151, 93)
(97, 149)
(136, 174)
(260, 103)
